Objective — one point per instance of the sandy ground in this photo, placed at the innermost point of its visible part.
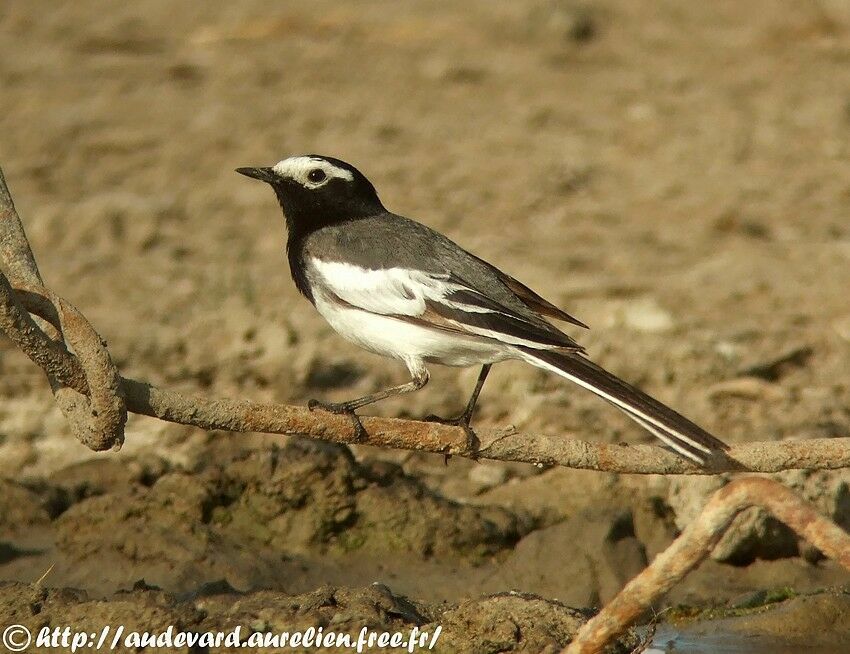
(675, 176)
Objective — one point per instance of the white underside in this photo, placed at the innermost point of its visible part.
(410, 343)
(378, 309)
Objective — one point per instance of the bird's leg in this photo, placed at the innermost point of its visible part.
(465, 417)
(420, 378)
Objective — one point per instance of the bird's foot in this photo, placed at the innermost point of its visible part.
(341, 408)
(462, 421)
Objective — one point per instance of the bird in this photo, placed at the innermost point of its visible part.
(400, 289)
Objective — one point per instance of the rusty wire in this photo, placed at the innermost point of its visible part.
(95, 400)
(695, 544)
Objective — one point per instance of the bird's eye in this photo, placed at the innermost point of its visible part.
(316, 175)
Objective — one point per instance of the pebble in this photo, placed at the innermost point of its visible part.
(488, 475)
(746, 388)
(646, 315)
(728, 350)
(842, 327)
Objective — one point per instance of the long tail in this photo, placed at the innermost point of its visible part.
(675, 430)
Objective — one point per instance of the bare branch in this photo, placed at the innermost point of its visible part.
(51, 356)
(99, 422)
(15, 249)
(501, 445)
(696, 543)
(87, 388)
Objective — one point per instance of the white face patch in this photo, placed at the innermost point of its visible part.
(302, 170)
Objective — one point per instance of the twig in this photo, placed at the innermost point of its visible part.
(51, 356)
(696, 543)
(14, 246)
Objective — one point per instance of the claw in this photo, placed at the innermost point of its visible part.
(360, 435)
(472, 442)
(462, 421)
(342, 408)
(330, 407)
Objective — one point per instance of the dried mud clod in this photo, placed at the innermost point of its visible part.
(508, 622)
(247, 518)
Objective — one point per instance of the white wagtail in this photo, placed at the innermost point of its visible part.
(398, 288)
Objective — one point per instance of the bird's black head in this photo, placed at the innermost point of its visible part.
(315, 191)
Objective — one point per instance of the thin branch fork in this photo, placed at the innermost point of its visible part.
(695, 544)
(95, 398)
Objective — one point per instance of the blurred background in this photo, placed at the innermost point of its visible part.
(674, 175)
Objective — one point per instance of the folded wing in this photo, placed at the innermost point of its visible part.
(439, 300)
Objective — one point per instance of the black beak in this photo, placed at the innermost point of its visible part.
(262, 174)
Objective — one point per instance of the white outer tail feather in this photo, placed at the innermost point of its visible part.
(675, 439)
(666, 439)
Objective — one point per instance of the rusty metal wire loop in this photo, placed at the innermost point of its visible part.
(95, 400)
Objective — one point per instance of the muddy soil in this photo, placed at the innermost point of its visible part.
(675, 176)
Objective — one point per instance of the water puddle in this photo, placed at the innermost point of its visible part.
(672, 641)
